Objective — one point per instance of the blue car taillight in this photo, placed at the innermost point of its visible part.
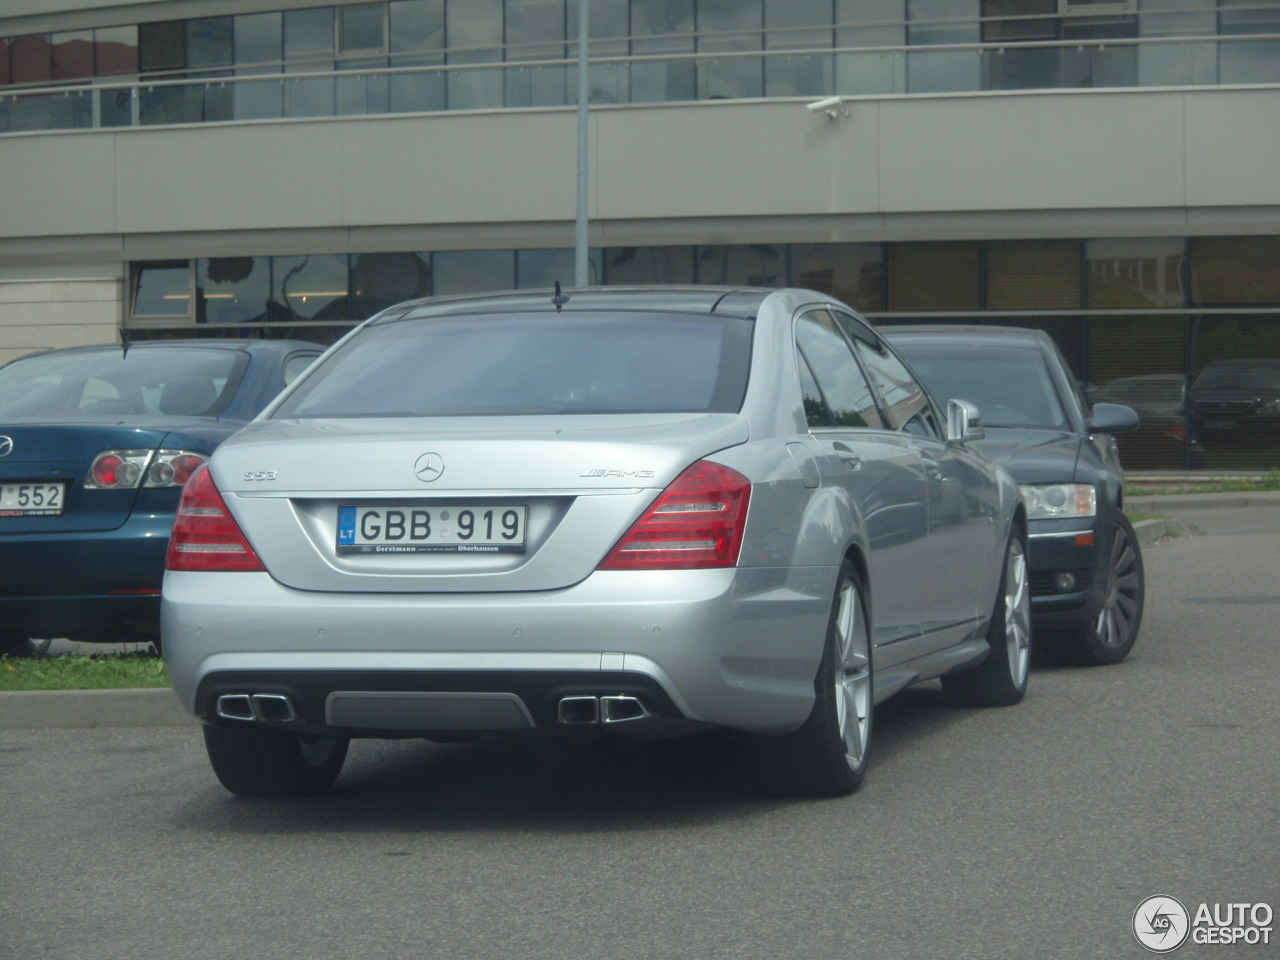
(129, 469)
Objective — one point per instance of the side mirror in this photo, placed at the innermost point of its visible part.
(964, 422)
(1112, 418)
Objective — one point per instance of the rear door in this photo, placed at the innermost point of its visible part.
(879, 469)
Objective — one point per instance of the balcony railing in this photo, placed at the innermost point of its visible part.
(373, 88)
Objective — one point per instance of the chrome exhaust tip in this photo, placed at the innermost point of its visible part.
(621, 709)
(579, 710)
(236, 706)
(273, 708)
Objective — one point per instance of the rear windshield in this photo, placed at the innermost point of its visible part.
(173, 381)
(1011, 386)
(533, 364)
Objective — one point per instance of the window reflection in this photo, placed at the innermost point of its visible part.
(1135, 272)
(309, 288)
(474, 271)
(233, 290)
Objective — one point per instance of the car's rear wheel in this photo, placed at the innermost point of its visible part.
(257, 761)
(1109, 636)
(828, 755)
(1001, 679)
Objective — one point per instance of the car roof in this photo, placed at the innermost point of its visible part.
(740, 302)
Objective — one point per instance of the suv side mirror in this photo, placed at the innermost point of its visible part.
(964, 422)
(1112, 418)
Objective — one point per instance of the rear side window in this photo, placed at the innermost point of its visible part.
(142, 381)
(565, 363)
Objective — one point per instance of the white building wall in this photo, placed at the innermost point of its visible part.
(40, 314)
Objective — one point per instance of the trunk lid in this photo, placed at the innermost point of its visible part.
(568, 486)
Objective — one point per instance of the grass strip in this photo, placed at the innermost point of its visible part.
(113, 671)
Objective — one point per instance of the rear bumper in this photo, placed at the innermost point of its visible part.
(93, 586)
(730, 648)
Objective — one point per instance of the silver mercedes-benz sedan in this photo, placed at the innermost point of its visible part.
(652, 511)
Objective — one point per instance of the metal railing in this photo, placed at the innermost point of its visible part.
(875, 71)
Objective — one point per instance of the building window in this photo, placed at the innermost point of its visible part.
(1235, 271)
(749, 265)
(935, 276)
(362, 28)
(474, 271)
(851, 272)
(161, 289)
(1135, 274)
(116, 50)
(645, 265)
(730, 26)
(1033, 275)
(233, 290)
(311, 288)
(381, 280)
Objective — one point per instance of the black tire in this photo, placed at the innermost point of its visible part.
(257, 761)
(827, 756)
(1001, 679)
(1109, 636)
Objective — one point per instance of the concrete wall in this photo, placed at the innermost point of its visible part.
(1064, 163)
(39, 314)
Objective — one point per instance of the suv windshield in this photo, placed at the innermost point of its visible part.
(1010, 385)
(531, 364)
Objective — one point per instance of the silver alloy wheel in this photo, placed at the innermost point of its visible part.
(853, 677)
(1017, 612)
(1115, 622)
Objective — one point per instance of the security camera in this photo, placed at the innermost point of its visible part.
(831, 106)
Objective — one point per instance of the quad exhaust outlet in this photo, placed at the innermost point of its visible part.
(610, 709)
(261, 707)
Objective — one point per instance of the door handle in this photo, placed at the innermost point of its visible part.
(847, 456)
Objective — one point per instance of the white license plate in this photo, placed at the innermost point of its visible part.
(31, 499)
(405, 528)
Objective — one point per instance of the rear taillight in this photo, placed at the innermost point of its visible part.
(128, 469)
(695, 524)
(205, 536)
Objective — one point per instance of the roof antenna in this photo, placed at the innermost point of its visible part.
(560, 299)
(124, 342)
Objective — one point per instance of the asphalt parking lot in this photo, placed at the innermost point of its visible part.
(1031, 831)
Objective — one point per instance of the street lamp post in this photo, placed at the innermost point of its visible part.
(580, 263)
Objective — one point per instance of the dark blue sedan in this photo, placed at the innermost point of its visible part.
(1087, 580)
(95, 445)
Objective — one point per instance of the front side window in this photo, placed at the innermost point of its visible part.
(843, 390)
(905, 402)
(529, 364)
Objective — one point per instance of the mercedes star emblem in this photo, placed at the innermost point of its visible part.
(429, 467)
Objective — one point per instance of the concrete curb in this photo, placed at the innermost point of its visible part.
(79, 709)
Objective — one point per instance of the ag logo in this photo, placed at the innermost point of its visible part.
(1161, 924)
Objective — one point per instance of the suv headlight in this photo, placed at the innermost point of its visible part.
(1056, 501)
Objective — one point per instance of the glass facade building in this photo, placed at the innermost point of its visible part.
(1140, 314)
